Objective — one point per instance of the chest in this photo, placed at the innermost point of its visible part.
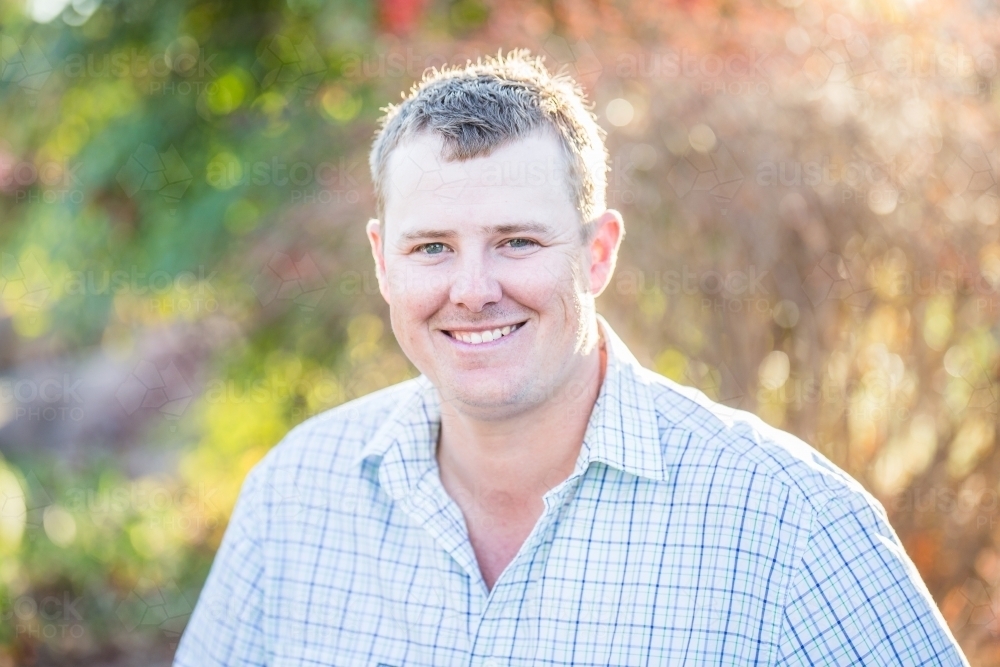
(496, 535)
(635, 577)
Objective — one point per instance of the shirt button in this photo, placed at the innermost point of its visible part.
(491, 662)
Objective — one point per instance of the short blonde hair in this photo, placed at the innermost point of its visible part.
(484, 105)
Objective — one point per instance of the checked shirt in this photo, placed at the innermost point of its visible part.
(689, 533)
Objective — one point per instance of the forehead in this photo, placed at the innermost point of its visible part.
(526, 177)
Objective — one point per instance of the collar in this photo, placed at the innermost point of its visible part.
(622, 432)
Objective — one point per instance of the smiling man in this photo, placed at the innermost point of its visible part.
(536, 497)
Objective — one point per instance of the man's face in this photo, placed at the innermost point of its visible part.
(489, 280)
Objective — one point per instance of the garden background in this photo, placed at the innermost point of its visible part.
(810, 197)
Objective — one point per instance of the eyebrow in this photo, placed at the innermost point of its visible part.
(492, 230)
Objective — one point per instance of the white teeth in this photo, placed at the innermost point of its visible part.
(476, 338)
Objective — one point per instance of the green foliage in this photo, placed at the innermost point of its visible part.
(810, 192)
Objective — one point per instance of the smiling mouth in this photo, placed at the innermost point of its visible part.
(484, 335)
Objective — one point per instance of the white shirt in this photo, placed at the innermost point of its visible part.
(688, 533)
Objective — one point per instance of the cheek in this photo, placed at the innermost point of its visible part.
(547, 284)
(407, 328)
(416, 294)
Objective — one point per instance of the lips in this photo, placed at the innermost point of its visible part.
(481, 336)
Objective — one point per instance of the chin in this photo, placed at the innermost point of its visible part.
(485, 397)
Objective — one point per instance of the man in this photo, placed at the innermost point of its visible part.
(536, 497)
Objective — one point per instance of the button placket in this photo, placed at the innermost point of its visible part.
(509, 587)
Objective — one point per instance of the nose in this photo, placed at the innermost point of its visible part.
(474, 284)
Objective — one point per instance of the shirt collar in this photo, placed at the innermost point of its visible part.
(622, 432)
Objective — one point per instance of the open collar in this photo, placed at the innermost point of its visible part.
(622, 431)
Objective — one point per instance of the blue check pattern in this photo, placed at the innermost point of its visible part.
(689, 533)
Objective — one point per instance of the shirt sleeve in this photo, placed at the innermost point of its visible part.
(856, 598)
(226, 626)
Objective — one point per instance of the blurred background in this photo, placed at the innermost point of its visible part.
(810, 194)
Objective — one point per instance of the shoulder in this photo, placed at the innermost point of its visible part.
(700, 435)
(329, 441)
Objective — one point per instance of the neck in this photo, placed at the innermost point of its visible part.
(516, 460)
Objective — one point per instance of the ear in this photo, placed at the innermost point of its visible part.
(374, 231)
(609, 228)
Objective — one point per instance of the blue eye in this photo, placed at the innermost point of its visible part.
(431, 248)
(521, 243)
